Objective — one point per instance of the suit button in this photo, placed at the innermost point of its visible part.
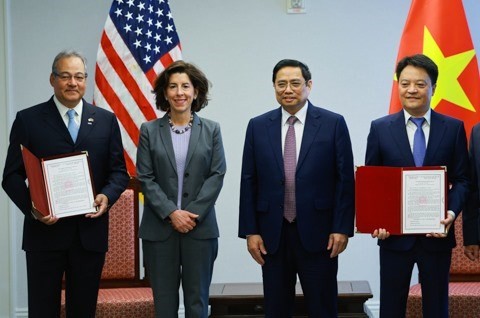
(186, 174)
(282, 182)
(281, 206)
(185, 195)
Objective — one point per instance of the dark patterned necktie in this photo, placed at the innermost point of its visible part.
(290, 166)
(419, 144)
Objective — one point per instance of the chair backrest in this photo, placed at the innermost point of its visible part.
(462, 269)
(122, 264)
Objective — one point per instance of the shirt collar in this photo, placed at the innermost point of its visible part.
(301, 114)
(427, 116)
(62, 109)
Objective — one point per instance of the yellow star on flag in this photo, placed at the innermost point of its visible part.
(450, 68)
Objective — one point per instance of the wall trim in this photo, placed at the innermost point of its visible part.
(6, 289)
(372, 308)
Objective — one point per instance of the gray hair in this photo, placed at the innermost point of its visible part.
(67, 54)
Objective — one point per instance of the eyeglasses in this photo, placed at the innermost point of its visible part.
(65, 76)
(294, 85)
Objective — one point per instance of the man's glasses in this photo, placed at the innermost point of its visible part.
(64, 76)
(294, 85)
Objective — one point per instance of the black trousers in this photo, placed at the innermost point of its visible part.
(45, 272)
(317, 273)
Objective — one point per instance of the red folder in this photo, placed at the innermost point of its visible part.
(36, 183)
(40, 193)
(378, 197)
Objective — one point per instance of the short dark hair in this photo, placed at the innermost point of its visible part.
(421, 61)
(196, 76)
(292, 63)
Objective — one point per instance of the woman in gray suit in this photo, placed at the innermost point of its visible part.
(180, 165)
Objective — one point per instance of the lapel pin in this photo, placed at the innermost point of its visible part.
(90, 121)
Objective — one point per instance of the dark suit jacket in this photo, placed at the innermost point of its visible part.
(205, 168)
(324, 180)
(471, 226)
(41, 129)
(388, 145)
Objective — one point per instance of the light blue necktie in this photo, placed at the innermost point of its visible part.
(72, 125)
(419, 144)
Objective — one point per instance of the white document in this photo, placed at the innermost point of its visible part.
(423, 205)
(69, 185)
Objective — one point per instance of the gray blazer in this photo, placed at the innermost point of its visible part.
(205, 168)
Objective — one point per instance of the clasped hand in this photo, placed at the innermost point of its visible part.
(183, 221)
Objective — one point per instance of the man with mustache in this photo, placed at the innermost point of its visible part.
(71, 247)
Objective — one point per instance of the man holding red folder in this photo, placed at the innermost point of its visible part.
(72, 247)
(419, 136)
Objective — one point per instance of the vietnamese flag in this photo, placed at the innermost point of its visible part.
(439, 29)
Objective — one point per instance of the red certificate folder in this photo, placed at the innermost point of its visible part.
(43, 194)
(379, 198)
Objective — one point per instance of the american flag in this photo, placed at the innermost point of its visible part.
(139, 40)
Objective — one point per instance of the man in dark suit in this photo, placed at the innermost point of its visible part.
(391, 142)
(297, 219)
(73, 246)
(471, 226)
